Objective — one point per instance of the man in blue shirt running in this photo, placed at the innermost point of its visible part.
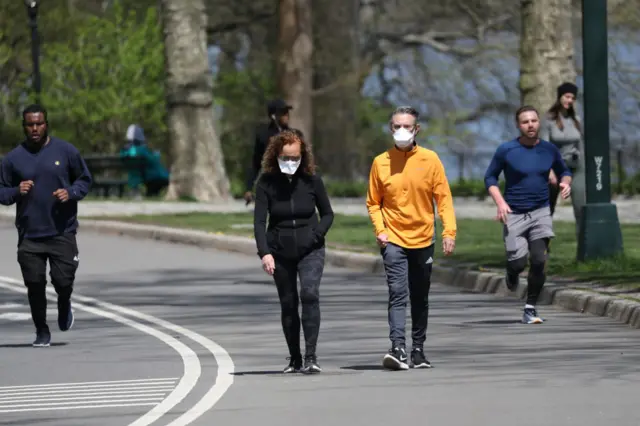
(45, 177)
(525, 209)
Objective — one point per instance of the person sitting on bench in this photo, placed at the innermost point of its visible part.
(155, 176)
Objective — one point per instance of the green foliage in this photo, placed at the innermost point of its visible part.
(629, 187)
(111, 74)
(479, 242)
(372, 122)
(346, 189)
(242, 94)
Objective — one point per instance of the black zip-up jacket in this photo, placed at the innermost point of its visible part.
(294, 229)
(263, 134)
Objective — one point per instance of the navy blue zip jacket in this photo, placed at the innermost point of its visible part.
(57, 165)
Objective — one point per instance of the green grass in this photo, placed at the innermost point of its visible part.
(479, 242)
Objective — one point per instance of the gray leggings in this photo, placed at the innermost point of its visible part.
(310, 269)
(408, 274)
(537, 262)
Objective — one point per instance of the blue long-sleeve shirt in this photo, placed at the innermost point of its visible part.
(526, 172)
(57, 165)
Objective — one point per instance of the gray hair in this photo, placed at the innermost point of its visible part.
(405, 110)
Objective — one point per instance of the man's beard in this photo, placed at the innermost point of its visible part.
(40, 141)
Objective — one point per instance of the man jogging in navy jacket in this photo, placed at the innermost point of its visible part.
(45, 177)
(525, 209)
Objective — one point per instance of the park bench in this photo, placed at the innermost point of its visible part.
(110, 171)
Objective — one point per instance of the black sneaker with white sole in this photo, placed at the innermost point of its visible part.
(418, 360)
(396, 359)
(295, 364)
(65, 315)
(43, 338)
(311, 365)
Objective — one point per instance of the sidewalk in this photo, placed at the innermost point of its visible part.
(628, 210)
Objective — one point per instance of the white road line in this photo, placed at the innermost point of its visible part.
(14, 398)
(67, 401)
(45, 394)
(54, 388)
(15, 316)
(22, 316)
(224, 374)
(86, 386)
(226, 368)
(80, 394)
(77, 407)
(84, 391)
(74, 384)
(11, 306)
(190, 361)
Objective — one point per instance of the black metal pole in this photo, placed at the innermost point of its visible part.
(599, 235)
(35, 50)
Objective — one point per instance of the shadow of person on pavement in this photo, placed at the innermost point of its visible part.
(27, 345)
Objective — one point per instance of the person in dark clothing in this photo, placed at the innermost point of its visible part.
(288, 191)
(45, 177)
(278, 111)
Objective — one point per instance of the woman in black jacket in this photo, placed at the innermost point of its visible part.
(288, 191)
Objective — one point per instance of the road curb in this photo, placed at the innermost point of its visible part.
(465, 276)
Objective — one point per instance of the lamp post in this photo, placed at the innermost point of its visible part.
(600, 235)
(32, 11)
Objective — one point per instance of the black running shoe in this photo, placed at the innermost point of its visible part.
(311, 365)
(396, 359)
(418, 360)
(43, 338)
(65, 315)
(295, 364)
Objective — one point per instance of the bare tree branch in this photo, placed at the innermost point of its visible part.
(239, 23)
(445, 41)
(433, 39)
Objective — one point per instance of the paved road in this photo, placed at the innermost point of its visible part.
(102, 368)
(489, 370)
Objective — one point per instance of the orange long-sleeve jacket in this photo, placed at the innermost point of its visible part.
(402, 189)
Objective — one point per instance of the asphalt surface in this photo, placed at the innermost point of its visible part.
(488, 369)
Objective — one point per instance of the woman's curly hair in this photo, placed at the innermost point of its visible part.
(274, 147)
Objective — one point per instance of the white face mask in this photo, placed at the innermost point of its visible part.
(403, 137)
(288, 167)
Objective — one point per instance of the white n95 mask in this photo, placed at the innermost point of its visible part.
(403, 137)
(288, 167)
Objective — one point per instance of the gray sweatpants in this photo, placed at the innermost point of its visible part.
(523, 228)
(408, 274)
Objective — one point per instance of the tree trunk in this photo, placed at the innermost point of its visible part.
(546, 51)
(198, 170)
(295, 70)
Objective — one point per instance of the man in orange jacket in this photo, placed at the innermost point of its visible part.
(404, 182)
